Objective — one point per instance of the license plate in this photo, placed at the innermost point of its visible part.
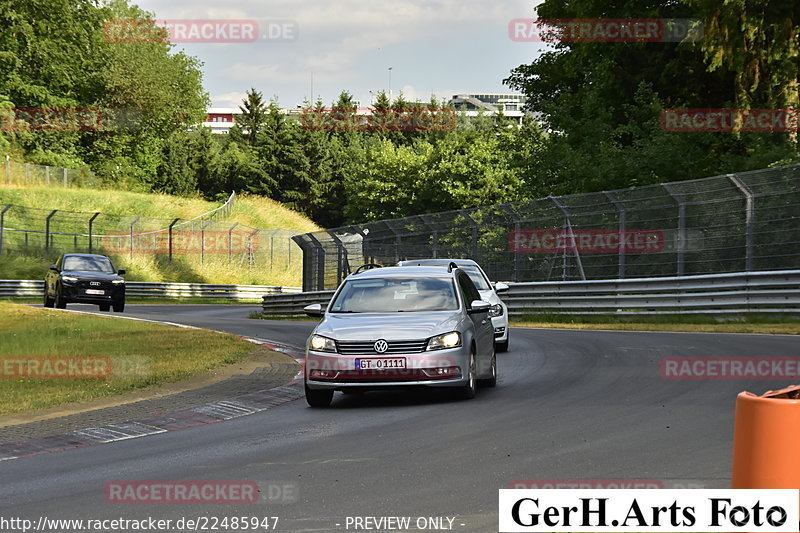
(381, 364)
(94, 291)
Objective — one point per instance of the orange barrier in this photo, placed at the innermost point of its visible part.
(766, 440)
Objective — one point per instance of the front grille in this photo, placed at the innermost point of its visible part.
(102, 285)
(368, 348)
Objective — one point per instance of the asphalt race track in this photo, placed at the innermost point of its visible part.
(569, 405)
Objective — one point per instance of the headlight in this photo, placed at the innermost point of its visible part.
(448, 340)
(322, 344)
(117, 281)
(69, 279)
(496, 310)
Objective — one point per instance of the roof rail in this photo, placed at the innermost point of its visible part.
(451, 266)
(366, 266)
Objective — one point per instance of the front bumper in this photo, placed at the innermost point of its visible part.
(500, 324)
(76, 293)
(328, 371)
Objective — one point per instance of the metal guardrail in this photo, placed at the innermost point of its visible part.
(145, 289)
(744, 292)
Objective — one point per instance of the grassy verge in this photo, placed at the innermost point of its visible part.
(772, 323)
(140, 354)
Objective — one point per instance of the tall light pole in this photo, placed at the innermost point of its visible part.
(390, 82)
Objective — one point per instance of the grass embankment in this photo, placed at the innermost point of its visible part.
(141, 354)
(745, 323)
(281, 266)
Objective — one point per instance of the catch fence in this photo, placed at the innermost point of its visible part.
(205, 239)
(16, 173)
(743, 222)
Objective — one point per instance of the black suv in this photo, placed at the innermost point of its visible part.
(85, 278)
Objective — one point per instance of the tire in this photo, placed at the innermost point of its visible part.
(501, 346)
(467, 392)
(118, 307)
(492, 381)
(48, 302)
(105, 307)
(318, 398)
(60, 303)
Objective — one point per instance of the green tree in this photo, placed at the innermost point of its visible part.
(250, 121)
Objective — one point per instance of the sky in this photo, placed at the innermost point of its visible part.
(441, 47)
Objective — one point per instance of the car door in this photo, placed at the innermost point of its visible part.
(484, 331)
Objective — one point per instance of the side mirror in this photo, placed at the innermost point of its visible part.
(478, 306)
(121, 271)
(54, 267)
(500, 287)
(314, 310)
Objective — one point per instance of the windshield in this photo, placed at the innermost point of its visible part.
(394, 295)
(88, 264)
(476, 276)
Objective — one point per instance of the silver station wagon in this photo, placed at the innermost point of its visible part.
(401, 327)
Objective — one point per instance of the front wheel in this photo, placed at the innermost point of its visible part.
(467, 392)
(118, 306)
(491, 381)
(318, 398)
(48, 302)
(60, 302)
(502, 346)
(105, 307)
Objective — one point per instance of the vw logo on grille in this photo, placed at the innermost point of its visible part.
(381, 346)
(94, 283)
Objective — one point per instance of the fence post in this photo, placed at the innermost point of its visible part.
(434, 233)
(66, 178)
(623, 215)
(750, 215)
(27, 172)
(342, 261)
(171, 226)
(474, 245)
(680, 239)
(8, 170)
(47, 174)
(288, 252)
(203, 226)
(573, 244)
(230, 241)
(91, 232)
(517, 228)
(135, 220)
(2, 224)
(47, 231)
